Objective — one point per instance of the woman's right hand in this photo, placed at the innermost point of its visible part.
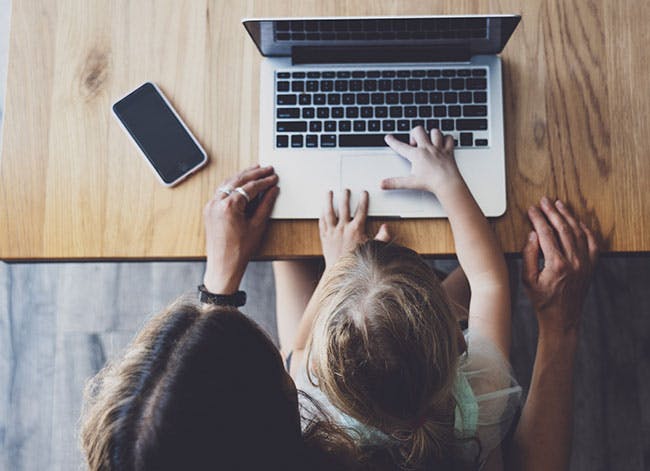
(570, 255)
(433, 167)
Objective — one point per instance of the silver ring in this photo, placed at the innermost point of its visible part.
(226, 190)
(242, 192)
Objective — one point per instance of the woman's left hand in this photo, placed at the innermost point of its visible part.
(341, 235)
(233, 235)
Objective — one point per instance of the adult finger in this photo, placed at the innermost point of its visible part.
(530, 256)
(436, 138)
(361, 214)
(580, 236)
(562, 228)
(383, 234)
(329, 216)
(263, 211)
(419, 135)
(344, 206)
(398, 146)
(398, 183)
(592, 244)
(250, 174)
(544, 232)
(255, 187)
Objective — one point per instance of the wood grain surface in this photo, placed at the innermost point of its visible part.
(576, 81)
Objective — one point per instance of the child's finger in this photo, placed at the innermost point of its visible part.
(419, 135)
(397, 183)
(361, 214)
(329, 216)
(398, 146)
(530, 256)
(344, 206)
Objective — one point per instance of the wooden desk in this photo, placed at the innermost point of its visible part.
(577, 82)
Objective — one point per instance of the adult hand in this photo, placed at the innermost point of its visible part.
(341, 235)
(232, 235)
(570, 255)
(433, 166)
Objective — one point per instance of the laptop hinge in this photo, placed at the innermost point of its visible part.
(348, 55)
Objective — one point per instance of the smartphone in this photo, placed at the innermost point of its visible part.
(160, 134)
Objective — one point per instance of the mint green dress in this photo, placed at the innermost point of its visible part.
(487, 401)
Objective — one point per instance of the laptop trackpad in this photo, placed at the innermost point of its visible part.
(365, 172)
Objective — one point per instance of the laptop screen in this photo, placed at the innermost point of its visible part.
(473, 34)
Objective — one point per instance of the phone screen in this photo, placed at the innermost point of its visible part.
(159, 133)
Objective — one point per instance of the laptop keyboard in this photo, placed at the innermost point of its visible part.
(357, 108)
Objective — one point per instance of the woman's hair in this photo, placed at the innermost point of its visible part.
(384, 349)
(198, 388)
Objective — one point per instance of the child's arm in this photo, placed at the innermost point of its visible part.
(434, 169)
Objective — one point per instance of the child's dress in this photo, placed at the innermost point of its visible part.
(487, 396)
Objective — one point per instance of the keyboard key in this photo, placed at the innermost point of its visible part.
(311, 140)
(388, 125)
(359, 125)
(395, 111)
(304, 99)
(476, 84)
(373, 125)
(328, 140)
(413, 84)
(471, 124)
(313, 74)
(442, 84)
(341, 85)
(319, 99)
(435, 98)
(283, 75)
(328, 75)
(287, 99)
(288, 113)
(439, 111)
(417, 122)
(464, 72)
(384, 85)
(283, 86)
(453, 111)
(465, 97)
(326, 85)
(345, 126)
(281, 140)
(479, 72)
(418, 73)
(356, 85)
(308, 113)
(377, 98)
(399, 85)
(381, 112)
(481, 142)
(388, 73)
(410, 112)
(474, 110)
(447, 125)
(296, 140)
(358, 74)
(352, 112)
(337, 112)
(432, 124)
(448, 73)
(298, 75)
(343, 74)
(369, 85)
(366, 111)
(323, 112)
(451, 97)
(433, 73)
(330, 126)
(368, 140)
(403, 125)
(297, 86)
(421, 98)
(480, 97)
(406, 98)
(363, 98)
(291, 126)
(428, 84)
(348, 99)
(315, 126)
(424, 111)
(466, 139)
(458, 84)
(312, 86)
(334, 99)
(403, 73)
(392, 98)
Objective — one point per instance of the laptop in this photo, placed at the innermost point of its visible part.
(332, 88)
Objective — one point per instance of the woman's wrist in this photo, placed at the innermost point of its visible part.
(219, 281)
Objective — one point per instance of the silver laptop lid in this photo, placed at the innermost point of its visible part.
(381, 39)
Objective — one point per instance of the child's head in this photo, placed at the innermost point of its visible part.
(385, 347)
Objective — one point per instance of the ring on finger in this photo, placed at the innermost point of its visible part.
(242, 192)
(226, 190)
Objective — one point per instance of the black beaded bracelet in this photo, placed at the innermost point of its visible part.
(235, 300)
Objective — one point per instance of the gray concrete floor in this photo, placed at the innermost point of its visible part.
(60, 322)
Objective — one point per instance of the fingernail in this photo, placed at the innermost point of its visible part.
(545, 201)
(532, 236)
(559, 204)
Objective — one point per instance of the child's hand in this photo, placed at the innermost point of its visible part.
(341, 235)
(570, 254)
(433, 166)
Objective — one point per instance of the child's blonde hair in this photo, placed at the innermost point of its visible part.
(385, 348)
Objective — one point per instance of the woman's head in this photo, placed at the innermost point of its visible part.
(197, 388)
(384, 347)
